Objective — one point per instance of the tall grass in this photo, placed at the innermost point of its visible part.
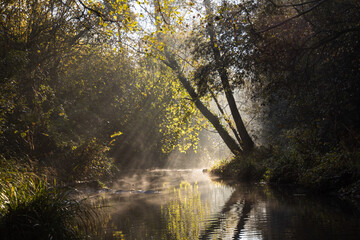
(32, 209)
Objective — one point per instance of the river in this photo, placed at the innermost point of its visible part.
(187, 204)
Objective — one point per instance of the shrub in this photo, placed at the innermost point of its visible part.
(88, 161)
(310, 161)
(306, 160)
(248, 167)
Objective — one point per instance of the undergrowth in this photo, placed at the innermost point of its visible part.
(248, 167)
(30, 208)
(305, 161)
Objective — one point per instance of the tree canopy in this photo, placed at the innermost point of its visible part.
(138, 79)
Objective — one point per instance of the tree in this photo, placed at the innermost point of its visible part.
(170, 59)
(35, 35)
(214, 120)
(221, 66)
(73, 95)
(305, 54)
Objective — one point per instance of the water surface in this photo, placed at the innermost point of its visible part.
(187, 204)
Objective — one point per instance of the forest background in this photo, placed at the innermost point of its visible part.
(90, 88)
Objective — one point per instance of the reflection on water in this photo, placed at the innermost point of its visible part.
(185, 213)
(186, 204)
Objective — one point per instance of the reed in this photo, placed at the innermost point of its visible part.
(30, 208)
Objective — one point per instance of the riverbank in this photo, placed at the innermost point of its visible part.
(336, 172)
(34, 207)
(188, 204)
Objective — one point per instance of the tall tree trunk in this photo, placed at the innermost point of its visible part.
(247, 143)
(214, 120)
(236, 134)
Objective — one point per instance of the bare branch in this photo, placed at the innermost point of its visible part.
(98, 13)
(293, 17)
(292, 5)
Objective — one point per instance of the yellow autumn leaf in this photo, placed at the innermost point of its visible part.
(116, 134)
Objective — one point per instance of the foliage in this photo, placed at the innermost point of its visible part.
(31, 209)
(310, 78)
(306, 163)
(301, 60)
(88, 161)
(16, 184)
(251, 167)
(76, 74)
(69, 83)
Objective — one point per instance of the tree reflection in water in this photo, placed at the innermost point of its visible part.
(189, 217)
(193, 207)
(185, 214)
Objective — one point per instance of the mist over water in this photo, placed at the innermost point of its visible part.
(188, 204)
(210, 150)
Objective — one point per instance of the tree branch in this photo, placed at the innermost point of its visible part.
(98, 13)
(293, 17)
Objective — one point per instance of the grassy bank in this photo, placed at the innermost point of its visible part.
(335, 171)
(32, 208)
(249, 167)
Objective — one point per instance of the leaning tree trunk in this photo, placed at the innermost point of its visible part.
(247, 143)
(214, 120)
